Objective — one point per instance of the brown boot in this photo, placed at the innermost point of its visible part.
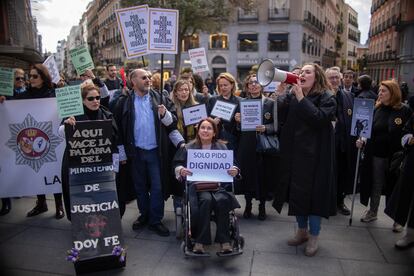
(300, 237)
(312, 246)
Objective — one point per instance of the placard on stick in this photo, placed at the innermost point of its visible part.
(81, 59)
(163, 34)
(69, 101)
(362, 117)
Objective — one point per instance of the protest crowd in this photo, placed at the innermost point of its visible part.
(311, 167)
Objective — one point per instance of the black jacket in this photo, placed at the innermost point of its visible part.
(306, 174)
(258, 169)
(125, 119)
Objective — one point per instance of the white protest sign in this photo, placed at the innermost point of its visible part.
(163, 35)
(223, 110)
(194, 114)
(134, 29)
(251, 114)
(51, 65)
(31, 149)
(271, 88)
(209, 165)
(198, 59)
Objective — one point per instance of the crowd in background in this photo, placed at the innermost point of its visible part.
(313, 171)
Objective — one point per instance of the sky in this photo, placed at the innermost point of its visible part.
(56, 17)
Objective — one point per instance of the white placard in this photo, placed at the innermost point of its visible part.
(198, 59)
(271, 88)
(51, 65)
(134, 28)
(251, 114)
(163, 35)
(30, 148)
(223, 110)
(209, 165)
(194, 114)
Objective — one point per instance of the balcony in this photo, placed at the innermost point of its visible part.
(276, 14)
(247, 15)
(314, 22)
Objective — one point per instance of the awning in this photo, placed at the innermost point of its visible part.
(278, 37)
(247, 36)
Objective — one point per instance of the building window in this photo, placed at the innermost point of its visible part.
(248, 42)
(190, 42)
(219, 41)
(278, 42)
(218, 60)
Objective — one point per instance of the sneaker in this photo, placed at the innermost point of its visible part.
(397, 228)
(369, 216)
(407, 241)
(312, 246)
(300, 237)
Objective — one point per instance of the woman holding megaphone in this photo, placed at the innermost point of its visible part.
(306, 171)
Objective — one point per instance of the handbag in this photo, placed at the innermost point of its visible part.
(267, 143)
(207, 186)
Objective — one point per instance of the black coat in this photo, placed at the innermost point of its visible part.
(306, 167)
(367, 94)
(228, 130)
(402, 197)
(125, 119)
(36, 93)
(258, 169)
(396, 120)
(102, 114)
(346, 151)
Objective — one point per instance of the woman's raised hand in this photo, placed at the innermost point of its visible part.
(71, 121)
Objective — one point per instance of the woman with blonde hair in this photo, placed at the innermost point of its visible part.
(226, 87)
(390, 116)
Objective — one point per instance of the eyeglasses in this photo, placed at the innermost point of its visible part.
(33, 76)
(90, 99)
(253, 82)
(19, 79)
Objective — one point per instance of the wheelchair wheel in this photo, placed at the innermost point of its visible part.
(182, 246)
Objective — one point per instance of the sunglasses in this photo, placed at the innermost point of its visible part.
(33, 76)
(19, 79)
(90, 99)
(145, 78)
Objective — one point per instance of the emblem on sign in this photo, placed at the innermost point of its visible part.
(33, 142)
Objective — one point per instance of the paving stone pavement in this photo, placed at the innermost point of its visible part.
(37, 246)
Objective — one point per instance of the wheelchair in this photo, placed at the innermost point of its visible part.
(184, 229)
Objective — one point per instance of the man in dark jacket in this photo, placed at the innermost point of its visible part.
(365, 88)
(344, 143)
(143, 119)
(348, 82)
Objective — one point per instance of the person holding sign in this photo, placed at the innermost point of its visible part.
(307, 157)
(226, 86)
(258, 167)
(92, 111)
(390, 116)
(203, 202)
(41, 87)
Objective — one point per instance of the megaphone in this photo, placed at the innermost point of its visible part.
(267, 72)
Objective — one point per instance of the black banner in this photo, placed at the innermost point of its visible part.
(96, 222)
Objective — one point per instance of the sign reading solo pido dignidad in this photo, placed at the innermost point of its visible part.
(96, 222)
(209, 165)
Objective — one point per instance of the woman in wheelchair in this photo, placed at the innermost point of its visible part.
(206, 197)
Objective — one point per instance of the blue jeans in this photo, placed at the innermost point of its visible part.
(314, 224)
(146, 170)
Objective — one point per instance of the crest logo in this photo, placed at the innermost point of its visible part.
(33, 142)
